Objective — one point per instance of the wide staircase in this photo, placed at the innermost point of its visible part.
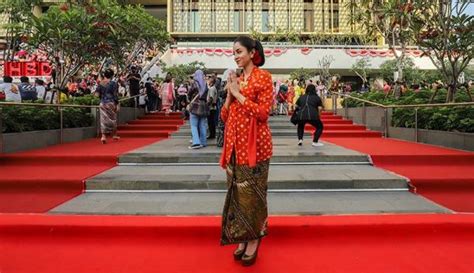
(167, 178)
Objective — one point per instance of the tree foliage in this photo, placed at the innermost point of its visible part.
(445, 33)
(302, 74)
(361, 68)
(411, 72)
(77, 34)
(19, 25)
(390, 19)
(181, 72)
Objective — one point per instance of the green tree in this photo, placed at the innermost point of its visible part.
(181, 72)
(445, 33)
(389, 19)
(302, 74)
(411, 72)
(139, 32)
(18, 26)
(78, 34)
(362, 68)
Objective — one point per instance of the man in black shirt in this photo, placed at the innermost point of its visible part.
(134, 82)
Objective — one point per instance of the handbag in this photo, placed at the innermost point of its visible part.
(199, 108)
(294, 117)
(188, 107)
(297, 114)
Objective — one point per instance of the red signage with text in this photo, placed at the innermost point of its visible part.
(17, 69)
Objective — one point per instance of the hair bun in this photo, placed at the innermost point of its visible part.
(259, 57)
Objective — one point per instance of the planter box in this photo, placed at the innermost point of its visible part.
(463, 141)
(16, 142)
(375, 119)
(374, 116)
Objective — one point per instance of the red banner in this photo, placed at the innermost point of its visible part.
(17, 69)
(379, 53)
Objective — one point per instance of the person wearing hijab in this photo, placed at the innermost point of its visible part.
(198, 112)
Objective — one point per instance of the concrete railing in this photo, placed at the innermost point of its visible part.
(14, 142)
(378, 117)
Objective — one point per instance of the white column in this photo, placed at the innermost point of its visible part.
(344, 17)
(222, 18)
(296, 12)
(318, 16)
(281, 14)
(271, 15)
(177, 23)
(231, 15)
(205, 15)
(257, 15)
(185, 17)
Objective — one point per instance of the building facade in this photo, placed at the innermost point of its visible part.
(236, 16)
(204, 31)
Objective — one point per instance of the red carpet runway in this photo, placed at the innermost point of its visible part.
(423, 243)
(443, 175)
(37, 181)
(326, 244)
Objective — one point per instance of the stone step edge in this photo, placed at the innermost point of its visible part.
(217, 164)
(269, 190)
(110, 184)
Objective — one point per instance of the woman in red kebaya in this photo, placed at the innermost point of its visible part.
(247, 151)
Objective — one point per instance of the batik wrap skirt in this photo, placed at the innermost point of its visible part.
(245, 213)
(108, 118)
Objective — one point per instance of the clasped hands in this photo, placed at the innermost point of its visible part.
(233, 90)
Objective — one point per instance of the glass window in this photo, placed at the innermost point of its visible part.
(249, 19)
(195, 22)
(237, 21)
(265, 21)
(308, 21)
(335, 20)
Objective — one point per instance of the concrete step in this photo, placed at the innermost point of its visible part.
(314, 177)
(148, 127)
(160, 117)
(152, 121)
(187, 127)
(162, 114)
(287, 117)
(292, 132)
(325, 122)
(176, 151)
(144, 133)
(279, 203)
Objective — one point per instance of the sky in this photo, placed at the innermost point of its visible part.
(470, 8)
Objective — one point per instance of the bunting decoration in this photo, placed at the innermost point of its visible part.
(379, 53)
(276, 52)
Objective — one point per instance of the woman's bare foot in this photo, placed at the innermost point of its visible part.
(241, 246)
(251, 247)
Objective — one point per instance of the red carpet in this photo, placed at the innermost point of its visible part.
(443, 175)
(336, 126)
(345, 244)
(39, 180)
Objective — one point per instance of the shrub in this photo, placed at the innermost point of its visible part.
(458, 119)
(30, 118)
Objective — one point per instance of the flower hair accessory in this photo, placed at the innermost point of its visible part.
(257, 59)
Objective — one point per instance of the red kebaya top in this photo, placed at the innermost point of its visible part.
(246, 125)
